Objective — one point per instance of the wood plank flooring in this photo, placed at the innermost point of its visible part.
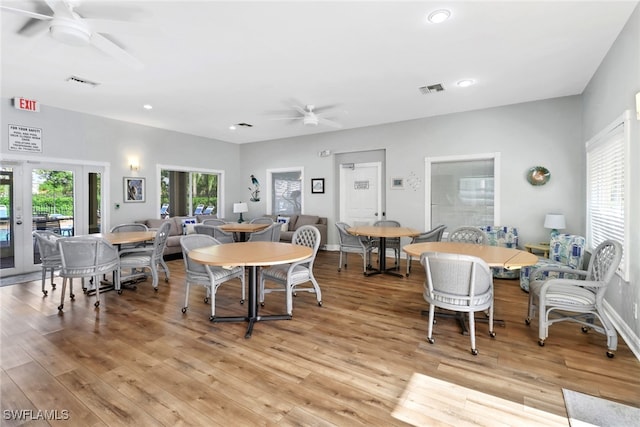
(360, 359)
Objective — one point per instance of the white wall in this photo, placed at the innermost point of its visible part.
(71, 135)
(611, 91)
(543, 133)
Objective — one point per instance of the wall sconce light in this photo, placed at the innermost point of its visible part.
(133, 164)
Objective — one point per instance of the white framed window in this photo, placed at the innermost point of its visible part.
(608, 187)
(462, 190)
(285, 195)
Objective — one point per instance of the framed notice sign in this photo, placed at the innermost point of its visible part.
(25, 138)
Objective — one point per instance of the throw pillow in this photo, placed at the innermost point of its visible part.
(284, 223)
(187, 226)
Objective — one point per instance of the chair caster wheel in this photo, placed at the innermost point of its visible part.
(474, 351)
(319, 303)
(166, 280)
(541, 343)
(206, 300)
(584, 329)
(261, 304)
(184, 310)
(72, 296)
(492, 334)
(527, 321)
(119, 291)
(211, 318)
(96, 304)
(430, 340)
(339, 270)
(53, 286)
(60, 307)
(45, 293)
(241, 301)
(155, 289)
(610, 354)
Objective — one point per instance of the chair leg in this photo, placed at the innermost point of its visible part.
(44, 279)
(472, 333)
(432, 314)
(340, 262)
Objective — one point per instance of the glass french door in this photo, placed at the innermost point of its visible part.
(61, 198)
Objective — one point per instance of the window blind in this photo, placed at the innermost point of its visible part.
(607, 189)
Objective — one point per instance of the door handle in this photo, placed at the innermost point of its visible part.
(19, 222)
(375, 214)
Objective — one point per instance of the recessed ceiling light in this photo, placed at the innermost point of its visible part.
(232, 127)
(147, 107)
(466, 82)
(439, 16)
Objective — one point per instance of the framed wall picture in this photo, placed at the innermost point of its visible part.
(134, 190)
(397, 183)
(317, 185)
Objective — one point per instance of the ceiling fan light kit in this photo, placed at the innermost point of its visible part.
(70, 32)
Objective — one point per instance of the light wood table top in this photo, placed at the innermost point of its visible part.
(386, 232)
(127, 237)
(494, 256)
(243, 227)
(251, 254)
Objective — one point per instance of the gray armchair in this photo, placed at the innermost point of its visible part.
(577, 300)
(353, 244)
(433, 235)
(147, 258)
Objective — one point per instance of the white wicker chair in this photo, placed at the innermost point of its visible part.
(148, 257)
(391, 242)
(582, 297)
(267, 234)
(214, 231)
(87, 256)
(210, 277)
(50, 257)
(459, 283)
(469, 235)
(291, 276)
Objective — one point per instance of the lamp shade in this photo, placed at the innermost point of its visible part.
(554, 221)
(240, 208)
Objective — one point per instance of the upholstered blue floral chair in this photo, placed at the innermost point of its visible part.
(565, 250)
(506, 237)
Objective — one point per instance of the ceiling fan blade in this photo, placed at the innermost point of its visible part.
(119, 27)
(28, 13)
(34, 27)
(112, 49)
(61, 9)
(325, 108)
(286, 118)
(330, 123)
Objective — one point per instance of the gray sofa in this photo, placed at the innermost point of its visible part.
(175, 232)
(296, 221)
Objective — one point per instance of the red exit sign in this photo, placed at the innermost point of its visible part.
(26, 104)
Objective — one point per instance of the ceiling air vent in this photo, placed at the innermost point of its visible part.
(431, 89)
(247, 125)
(84, 82)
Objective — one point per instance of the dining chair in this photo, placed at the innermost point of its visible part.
(50, 258)
(264, 235)
(261, 220)
(147, 258)
(433, 235)
(290, 276)
(391, 242)
(578, 300)
(87, 257)
(214, 231)
(134, 226)
(353, 244)
(214, 221)
(469, 235)
(459, 283)
(211, 277)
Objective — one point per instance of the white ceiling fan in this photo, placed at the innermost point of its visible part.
(310, 115)
(69, 27)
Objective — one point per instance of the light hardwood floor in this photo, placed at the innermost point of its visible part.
(360, 359)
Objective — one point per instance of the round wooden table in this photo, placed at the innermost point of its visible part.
(252, 255)
(383, 233)
(243, 228)
(127, 237)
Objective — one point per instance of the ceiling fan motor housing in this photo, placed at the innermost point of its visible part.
(70, 31)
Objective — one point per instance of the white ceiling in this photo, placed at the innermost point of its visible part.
(211, 64)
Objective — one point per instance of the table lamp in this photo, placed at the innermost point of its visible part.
(555, 222)
(240, 208)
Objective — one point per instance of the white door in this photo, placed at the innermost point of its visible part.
(360, 193)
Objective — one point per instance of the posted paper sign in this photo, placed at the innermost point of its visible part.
(25, 138)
